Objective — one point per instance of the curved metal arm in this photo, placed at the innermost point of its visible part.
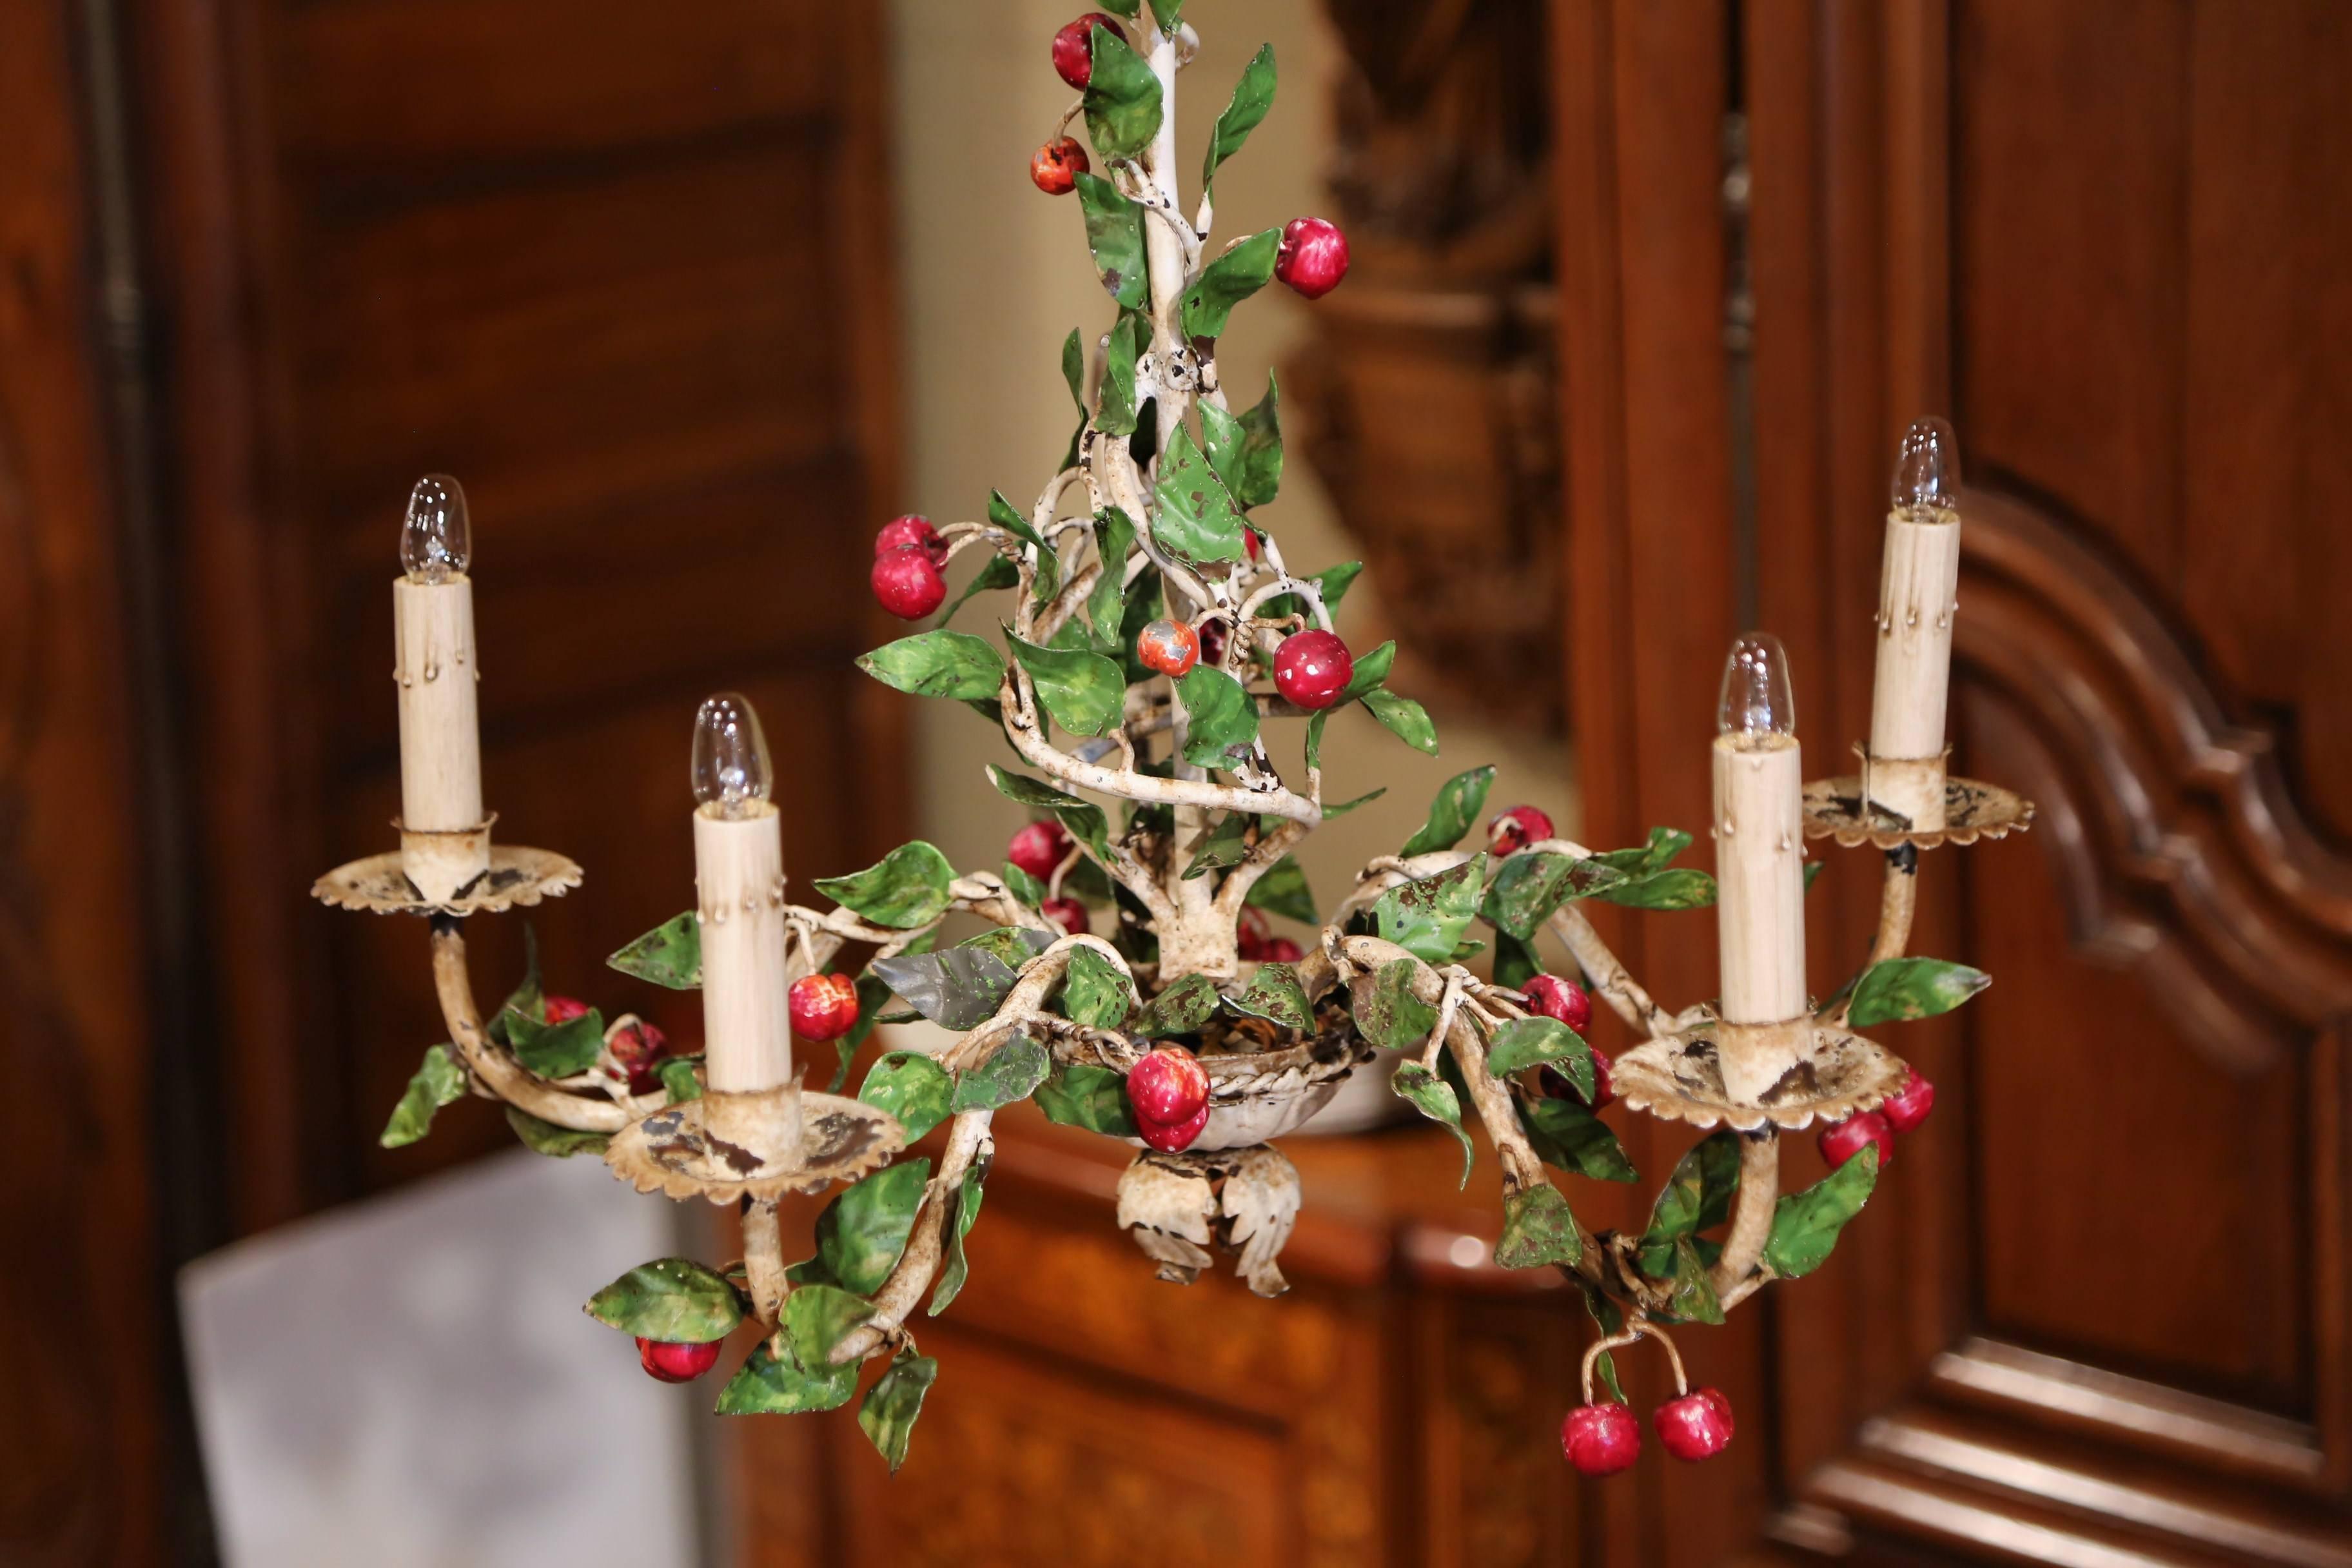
(492, 1066)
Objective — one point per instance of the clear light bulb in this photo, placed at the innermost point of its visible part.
(436, 539)
(1927, 472)
(1757, 696)
(731, 757)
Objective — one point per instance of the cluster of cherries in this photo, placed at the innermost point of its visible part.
(1902, 1112)
(637, 1048)
(1604, 1437)
(1169, 1091)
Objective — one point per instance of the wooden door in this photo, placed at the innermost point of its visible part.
(2098, 1312)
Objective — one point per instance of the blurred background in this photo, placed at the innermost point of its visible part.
(693, 299)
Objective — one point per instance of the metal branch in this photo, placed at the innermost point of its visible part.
(1751, 1214)
(926, 1244)
(763, 1261)
(1027, 734)
(491, 1064)
(1898, 902)
(1607, 975)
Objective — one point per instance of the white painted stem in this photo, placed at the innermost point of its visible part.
(1760, 782)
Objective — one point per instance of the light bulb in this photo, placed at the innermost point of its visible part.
(436, 540)
(731, 757)
(1757, 696)
(1927, 472)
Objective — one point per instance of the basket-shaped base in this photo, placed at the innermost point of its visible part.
(674, 1151)
(1680, 1078)
(1972, 810)
(1257, 1098)
(518, 877)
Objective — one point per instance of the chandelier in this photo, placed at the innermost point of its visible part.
(1152, 638)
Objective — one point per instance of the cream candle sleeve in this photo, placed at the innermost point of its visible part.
(738, 872)
(1919, 593)
(1760, 782)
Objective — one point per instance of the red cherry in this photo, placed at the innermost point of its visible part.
(1844, 1141)
(563, 1009)
(674, 1362)
(638, 1050)
(1173, 1140)
(1054, 168)
(915, 531)
(1312, 668)
(1067, 913)
(1038, 848)
(1603, 1092)
(1252, 934)
(1213, 636)
(1549, 997)
(1073, 48)
(907, 584)
(1600, 1439)
(1908, 1106)
(1313, 255)
(1168, 1087)
(824, 1007)
(1515, 830)
(1281, 950)
(1250, 542)
(1171, 647)
(1695, 1426)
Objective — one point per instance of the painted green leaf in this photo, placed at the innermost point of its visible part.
(439, 1080)
(1538, 1229)
(955, 1269)
(938, 664)
(862, 1231)
(1078, 1095)
(676, 1300)
(1805, 1224)
(1282, 890)
(872, 995)
(1115, 236)
(1516, 962)
(1012, 945)
(1253, 96)
(1332, 583)
(1524, 1042)
(1181, 1009)
(1221, 717)
(818, 1317)
(906, 887)
(1387, 1011)
(1427, 918)
(556, 1050)
(1168, 14)
(1024, 886)
(670, 954)
(770, 1384)
(527, 996)
(1246, 452)
(1569, 1136)
(1406, 719)
(887, 1415)
(1434, 1098)
(958, 989)
(1665, 845)
(546, 1138)
(1122, 99)
(1117, 410)
(1126, 8)
(1812, 873)
(1691, 1297)
(1085, 820)
(1370, 671)
(679, 1081)
(1345, 807)
(910, 1086)
(1074, 368)
(1275, 995)
(1905, 988)
(1459, 801)
(1696, 1197)
(1084, 691)
(1529, 886)
(1012, 1071)
(1226, 845)
(1226, 282)
(1677, 889)
(1107, 603)
(1094, 993)
(1196, 518)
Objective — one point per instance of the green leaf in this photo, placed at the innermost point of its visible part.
(1805, 1224)
(1524, 1042)
(1902, 989)
(955, 1269)
(527, 997)
(872, 995)
(1812, 873)
(1691, 1299)
(1226, 845)
(674, 1299)
(906, 887)
(1000, 572)
(1024, 886)
(1117, 412)
(1181, 1009)
(1012, 1071)
(862, 1232)
(1106, 603)
(1011, 946)
(1665, 845)
(1168, 14)
(1006, 516)
(556, 1050)
(679, 1083)
(1196, 518)
(1567, 1135)
(1315, 740)
(1074, 368)
(1610, 1322)
(887, 1415)
(958, 989)
(1122, 99)
(1077, 1095)
(1679, 889)
(938, 664)
(546, 1138)
(1538, 1229)
(1115, 236)
(1085, 821)
(1094, 993)
(1345, 807)
(1529, 886)
(1515, 963)
(1275, 995)
(1126, 8)
(1221, 717)
(670, 954)
(1436, 1099)
(818, 1317)
(1249, 458)
(1085, 693)
(439, 1080)
(1226, 282)
(1388, 1014)
(1282, 890)
(771, 1385)
(910, 1086)
(1370, 672)
(1427, 918)
(1406, 719)
(1253, 96)
(1696, 1197)
(1451, 814)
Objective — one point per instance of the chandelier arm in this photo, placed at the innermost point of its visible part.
(1898, 902)
(491, 1064)
(1752, 1213)
(968, 1140)
(1608, 976)
(763, 1261)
